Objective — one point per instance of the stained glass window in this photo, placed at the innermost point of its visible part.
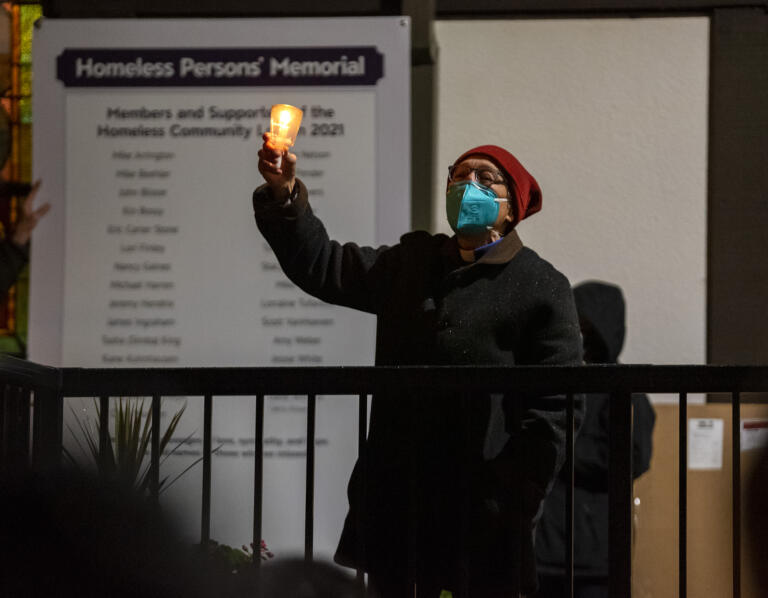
(16, 27)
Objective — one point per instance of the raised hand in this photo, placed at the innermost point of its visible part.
(278, 167)
(28, 217)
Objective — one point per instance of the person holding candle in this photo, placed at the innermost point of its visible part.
(452, 486)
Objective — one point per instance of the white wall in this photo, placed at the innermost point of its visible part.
(610, 116)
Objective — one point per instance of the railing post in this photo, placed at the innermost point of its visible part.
(15, 432)
(205, 523)
(154, 483)
(3, 420)
(682, 540)
(309, 506)
(258, 486)
(569, 469)
(736, 491)
(620, 501)
(104, 437)
(47, 429)
(362, 434)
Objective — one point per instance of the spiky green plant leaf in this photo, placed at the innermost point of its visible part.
(126, 456)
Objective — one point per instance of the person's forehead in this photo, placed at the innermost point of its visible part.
(479, 162)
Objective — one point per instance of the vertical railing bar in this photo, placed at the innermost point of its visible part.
(57, 427)
(205, 524)
(3, 426)
(10, 425)
(25, 404)
(28, 410)
(6, 432)
(736, 431)
(36, 428)
(682, 498)
(309, 506)
(515, 424)
(569, 458)
(620, 495)
(16, 430)
(104, 438)
(362, 434)
(47, 428)
(465, 518)
(38, 411)
(155, 455)
(258, 485)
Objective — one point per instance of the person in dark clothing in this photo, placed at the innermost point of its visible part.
(70, 535)
(601, 315)
(756, 522)
(14, 248)
(452, 484)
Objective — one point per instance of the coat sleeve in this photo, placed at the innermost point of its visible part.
(12, 260)
(592, 444)
(537, 424)
(342, 274)
(643, 420)
(590, 458)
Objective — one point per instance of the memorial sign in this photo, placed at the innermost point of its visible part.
(146, 138)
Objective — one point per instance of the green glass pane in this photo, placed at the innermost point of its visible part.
(25, 111)
(25, 79)
(22, 311)
(29, 13)
(9, 345)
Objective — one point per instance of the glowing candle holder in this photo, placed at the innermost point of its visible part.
(285, 121)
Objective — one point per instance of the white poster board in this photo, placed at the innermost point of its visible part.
(146, 138)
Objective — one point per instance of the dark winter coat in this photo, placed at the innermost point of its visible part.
(439, 488)
(601, 311)
(12, 260)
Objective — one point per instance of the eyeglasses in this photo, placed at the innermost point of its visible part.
(484, 176)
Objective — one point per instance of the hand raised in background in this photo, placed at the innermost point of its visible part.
(28, 217)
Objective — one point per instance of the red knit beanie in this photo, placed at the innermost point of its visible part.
(526, 193)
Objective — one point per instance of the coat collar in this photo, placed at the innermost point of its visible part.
(501, 253)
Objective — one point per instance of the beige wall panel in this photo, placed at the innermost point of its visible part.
(610, 115)
(710, 531)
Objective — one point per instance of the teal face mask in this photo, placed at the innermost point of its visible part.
(472, 208)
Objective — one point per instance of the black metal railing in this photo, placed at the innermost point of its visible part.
(24, 438)
(48, 386)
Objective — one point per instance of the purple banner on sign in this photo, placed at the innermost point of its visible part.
(165, 67)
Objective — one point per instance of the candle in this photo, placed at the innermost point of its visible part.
(285, 122)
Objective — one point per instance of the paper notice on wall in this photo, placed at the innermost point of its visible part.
(754, 434)
(705, 444)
